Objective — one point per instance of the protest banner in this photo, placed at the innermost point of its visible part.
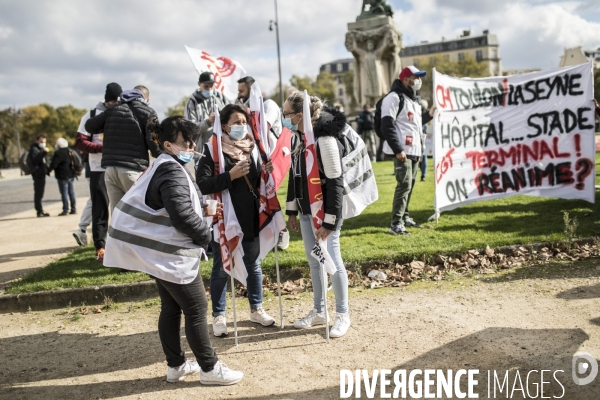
(527, 134)
(227, 71)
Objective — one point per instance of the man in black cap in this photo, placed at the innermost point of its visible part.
(93, 144)
(200, 107)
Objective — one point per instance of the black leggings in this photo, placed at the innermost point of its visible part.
(191, 299)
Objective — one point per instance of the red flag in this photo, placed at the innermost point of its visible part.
(281, 157)
(271, 220)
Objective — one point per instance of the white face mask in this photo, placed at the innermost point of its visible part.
(417, 84)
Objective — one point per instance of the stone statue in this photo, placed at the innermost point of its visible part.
(376, 7)
(377, 61)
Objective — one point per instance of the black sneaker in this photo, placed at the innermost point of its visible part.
(43, 214)
(73, 212)
(62, 214)
(411, 223)
(398, 230)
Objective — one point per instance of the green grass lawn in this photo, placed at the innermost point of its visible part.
(365, 241)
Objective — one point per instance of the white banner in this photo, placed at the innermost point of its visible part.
(527, 134)
(227, 72)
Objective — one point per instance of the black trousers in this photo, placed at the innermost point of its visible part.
(39, 184)
(99, 198)
(191, 299)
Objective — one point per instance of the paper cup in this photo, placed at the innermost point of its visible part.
(212, 207)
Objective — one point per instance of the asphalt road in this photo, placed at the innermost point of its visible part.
(16, 195)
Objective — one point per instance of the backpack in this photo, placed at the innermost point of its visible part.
(377, 117)
(360, 188)
(76, 164)
(25, 163)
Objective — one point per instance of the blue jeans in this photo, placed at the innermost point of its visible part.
(67, 192)
(339, 280)
(423, 166)
(219, 278)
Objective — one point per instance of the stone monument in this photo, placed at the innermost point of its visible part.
(375, 43)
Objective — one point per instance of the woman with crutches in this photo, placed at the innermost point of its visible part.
(328, 126)
(242, 179)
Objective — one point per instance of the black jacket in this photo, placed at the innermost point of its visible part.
(169, 189)
(388, 127)
(61, 164)
(333, 189)
(126, 139)
(39, 160)
(244, 202)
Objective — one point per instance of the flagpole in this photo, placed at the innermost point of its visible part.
(325, 302)
(279, 287)
(324, 284)
(235, 330)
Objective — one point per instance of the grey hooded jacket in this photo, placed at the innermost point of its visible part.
(198, 109)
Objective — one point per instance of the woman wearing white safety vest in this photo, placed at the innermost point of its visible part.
(158, 228)
(329, 126)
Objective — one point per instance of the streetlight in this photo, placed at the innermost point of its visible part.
(276, 23)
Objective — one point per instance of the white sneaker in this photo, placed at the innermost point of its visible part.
(80, 237)
(177, 375)
(313, 318)
(284, 240)
(260, 316)
(340, 325)
(220, 326)
(221, 375)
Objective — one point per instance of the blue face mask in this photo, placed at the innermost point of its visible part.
(238, 132)
(207, 93)
(287, 122)
(185, 156)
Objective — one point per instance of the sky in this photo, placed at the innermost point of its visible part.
(66, 51)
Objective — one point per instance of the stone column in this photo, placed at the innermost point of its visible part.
(375, 43)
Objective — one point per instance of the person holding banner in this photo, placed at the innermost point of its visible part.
(242, 179)
(159, 228)
(328, 125)
(200, 105)
(402, 120)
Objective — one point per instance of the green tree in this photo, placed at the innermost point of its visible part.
(348, 79)
(467, 67)
(178, 108)
(323, 86)
(7, 136)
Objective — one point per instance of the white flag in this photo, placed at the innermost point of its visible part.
(228, 233)
(227, 71)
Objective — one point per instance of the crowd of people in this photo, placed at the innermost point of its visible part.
(161, 225)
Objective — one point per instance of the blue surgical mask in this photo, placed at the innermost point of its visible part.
(185, 156)
(208, 93)
(238, 132)
(287, 122)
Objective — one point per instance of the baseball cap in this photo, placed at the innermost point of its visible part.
(410, 71)
(207, 77)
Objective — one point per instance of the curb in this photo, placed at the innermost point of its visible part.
(53, 299)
